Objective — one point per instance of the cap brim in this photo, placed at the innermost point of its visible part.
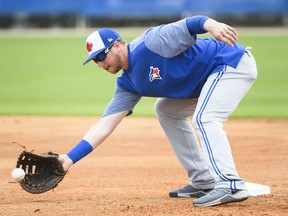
(90, 57)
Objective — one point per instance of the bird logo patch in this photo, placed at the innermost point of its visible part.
(154, 74)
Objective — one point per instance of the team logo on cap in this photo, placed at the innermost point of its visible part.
(154, 74)
(89, 46)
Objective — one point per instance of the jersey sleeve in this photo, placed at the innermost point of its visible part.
(122, 100)
(169, 40)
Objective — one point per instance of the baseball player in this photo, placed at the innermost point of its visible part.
(204, 78)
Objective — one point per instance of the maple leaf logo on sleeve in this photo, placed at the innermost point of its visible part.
(89, 46)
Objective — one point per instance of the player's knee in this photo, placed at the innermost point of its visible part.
(194, 122)
(159, 107)
(162, 107)
(199, 120)
(206, 119)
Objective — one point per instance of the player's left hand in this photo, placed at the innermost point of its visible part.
(221, 32)
(43, 172)
(65, 161)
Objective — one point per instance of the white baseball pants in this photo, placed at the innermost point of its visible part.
(212, 165)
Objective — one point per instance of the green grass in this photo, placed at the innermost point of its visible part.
(45, 76)
(269, 94)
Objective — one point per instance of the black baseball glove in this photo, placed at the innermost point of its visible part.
(43, 172)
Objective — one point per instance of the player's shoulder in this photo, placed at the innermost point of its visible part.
(155, 35)
(143, 38)
(136, 42)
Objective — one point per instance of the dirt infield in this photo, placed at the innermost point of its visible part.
(132, 172)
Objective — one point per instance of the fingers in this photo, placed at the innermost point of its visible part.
(233, 33)
(229, 36)
(226, 34)
(222, 32)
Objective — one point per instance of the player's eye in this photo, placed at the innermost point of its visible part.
(102, 56)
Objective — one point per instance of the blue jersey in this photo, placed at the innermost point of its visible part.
(167, 61)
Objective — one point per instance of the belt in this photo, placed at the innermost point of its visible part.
(248, 51)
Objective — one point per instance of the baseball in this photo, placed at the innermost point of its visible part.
(18, 174)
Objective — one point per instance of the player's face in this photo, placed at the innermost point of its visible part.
(112, 63)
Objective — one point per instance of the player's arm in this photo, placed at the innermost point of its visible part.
(103, 128)
(121, 105)
(93, 138)
(220, 31)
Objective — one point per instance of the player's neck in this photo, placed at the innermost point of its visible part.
(125, 57)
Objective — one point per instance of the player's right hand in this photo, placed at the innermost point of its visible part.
(222, 32)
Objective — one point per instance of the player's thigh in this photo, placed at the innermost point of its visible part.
(177, 108)
(221, 94)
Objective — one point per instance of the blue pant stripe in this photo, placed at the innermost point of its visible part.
(202, 130)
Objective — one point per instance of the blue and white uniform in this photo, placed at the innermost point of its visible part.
(203, 78)
(166, 61)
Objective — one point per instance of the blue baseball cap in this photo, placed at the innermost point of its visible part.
(99, 41)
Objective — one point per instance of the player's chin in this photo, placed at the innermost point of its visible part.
(113, 70)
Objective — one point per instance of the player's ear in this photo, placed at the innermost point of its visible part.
(117, 43)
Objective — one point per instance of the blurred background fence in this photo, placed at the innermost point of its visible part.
(90, 13)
